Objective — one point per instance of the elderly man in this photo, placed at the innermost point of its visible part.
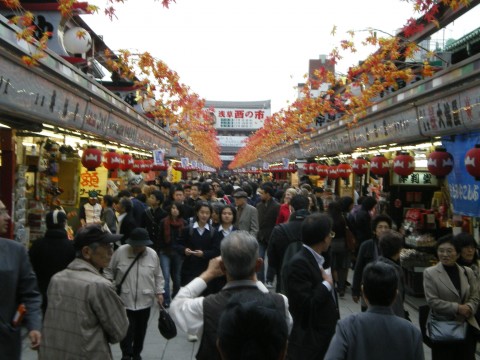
(18, 285)
(247, 215)
(200, 315)
(84, 313)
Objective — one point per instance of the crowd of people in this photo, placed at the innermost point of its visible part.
(212, 251)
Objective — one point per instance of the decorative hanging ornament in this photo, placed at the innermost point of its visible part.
(307, 168)
(472, 162)
(91, 158)
(344, 170)
(440, 162)
(404, 164)
(127, 162)
(322, 170)
(379, 165)
(137, 167)
(112, 160)
(333, 172)
(360, 166)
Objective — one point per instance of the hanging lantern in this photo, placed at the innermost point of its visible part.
(126, 163)
(111, 160)
(472, 162)
(307, 168)
(91, 158)
(404, 164)
(379, 165)
(333, 172)
(440, 162)
(322, 170)
(360, 166)
(137, 166)
(344, 170)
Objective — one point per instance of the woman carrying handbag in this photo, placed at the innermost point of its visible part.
(452, 294)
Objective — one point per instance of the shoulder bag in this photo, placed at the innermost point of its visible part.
(446, 331)
(119, 285)
(166, 325)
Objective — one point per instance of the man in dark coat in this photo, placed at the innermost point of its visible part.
(52, 253)
(311, 293)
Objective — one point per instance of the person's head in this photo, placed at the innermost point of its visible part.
(92, 197)
(107, 201)
(124, 193)
(369, 203)
(252, 327)
(380, 283)
(136, 190)
(139, 239)
(299, 202)
(165, 188)
(142, 198)
(155, 199)
(288, 195)
(94, 245)
(206, 191)
(318, 191)
(248, 189)
(228, 189)
(194, 191)
(240, 256)
(241, 197)
(317, 231)
(266, 192)
(125, 205)
(178, 194)
(4, 218)
(390, 243)
(228, 215)
(175, 210)
(187, 190)
(203, 212)
(216, 186)
(56, 219)
(468, 248)
(381, 223)
(448, 250)
(346, 203)
(335, 211)
(216, 209)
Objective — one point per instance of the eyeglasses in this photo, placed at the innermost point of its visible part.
(445, 251)
(332, 234)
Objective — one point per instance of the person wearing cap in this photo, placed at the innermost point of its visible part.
(84, 313)
(143, 285)
(91, 211)
(247, 215)
(51, 253)
(18, 285)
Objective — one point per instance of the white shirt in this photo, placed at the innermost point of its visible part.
(320, 261)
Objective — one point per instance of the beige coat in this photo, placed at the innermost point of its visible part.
(84, 315)
(443, 298)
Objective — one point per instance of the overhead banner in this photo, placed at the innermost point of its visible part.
(464, 189)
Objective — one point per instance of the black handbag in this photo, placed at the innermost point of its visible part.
(166, 325)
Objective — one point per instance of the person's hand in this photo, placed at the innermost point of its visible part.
(327, 277)
(464, 310)
(213, 271)
(197, 253)
(188, 252)
(35, 339)
(160, 299)
(356, 299)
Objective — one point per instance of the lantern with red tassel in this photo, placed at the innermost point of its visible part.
(91, 158)
(322, 170)
(111, 160)
(360, 166)
(404, 164)
(472, 162)
(137, 166)
(333, 172)
(126, 163)
(344, 170)
(440, 162)
(379, 165)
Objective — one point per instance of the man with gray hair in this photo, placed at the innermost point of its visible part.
(239, 261)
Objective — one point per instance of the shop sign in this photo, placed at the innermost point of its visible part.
(464, 189)
(417, 178)
(239, 118)
(96, 119)
(93, 180)
(470, 110)
(334, 144)
(121, 130)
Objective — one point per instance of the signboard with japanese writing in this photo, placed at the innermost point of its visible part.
(231, 141)
(335, 143)
(464, 189)
(417, 178)
(158, 156)
(470, 109)
(93, 180)
(240, 118)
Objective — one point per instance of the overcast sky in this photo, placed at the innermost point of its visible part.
(250, 49)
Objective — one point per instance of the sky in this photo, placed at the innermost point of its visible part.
(250, 50)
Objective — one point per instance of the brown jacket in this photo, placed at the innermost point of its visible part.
(84, 315)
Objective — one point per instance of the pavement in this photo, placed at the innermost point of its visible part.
(178, 348)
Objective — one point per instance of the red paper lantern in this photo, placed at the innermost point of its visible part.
(112, 160)
(472, 162)
(137, 166)
(404, 164)
(126, 163)
(308, 168)
(360, 166)
(322, 170)
(333, 172)
(440, 162)
(344, 170)
(379, 165)
(91, 158)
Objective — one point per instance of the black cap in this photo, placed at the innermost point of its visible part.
(139, 237)
(93, 233)
(240, 194)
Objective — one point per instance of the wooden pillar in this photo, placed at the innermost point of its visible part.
(7, 171)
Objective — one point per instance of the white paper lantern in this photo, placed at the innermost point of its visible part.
(77, 40)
